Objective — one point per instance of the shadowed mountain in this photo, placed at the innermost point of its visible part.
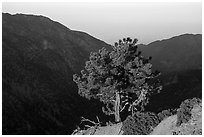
(41, 34)
(39, 57)
(178, 53)
(179, 59)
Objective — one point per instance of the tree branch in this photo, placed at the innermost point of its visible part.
(124, 106)
(84, 119)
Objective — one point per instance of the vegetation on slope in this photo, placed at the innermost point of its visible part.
(39, 57)
(184, 113)
(141, 123)
(194, 125)
(189, 115)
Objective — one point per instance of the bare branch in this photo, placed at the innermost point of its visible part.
(99, 94)
(84, 119)
(112, 101)
(87, 126)
(124, 100)
(98, 119)
(76, 130)
(107, 112)
(124, 106)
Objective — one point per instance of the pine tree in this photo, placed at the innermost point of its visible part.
(119, 78)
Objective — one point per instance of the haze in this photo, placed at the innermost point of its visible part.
(111, 21)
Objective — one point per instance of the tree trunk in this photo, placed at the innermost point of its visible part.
(117, 107)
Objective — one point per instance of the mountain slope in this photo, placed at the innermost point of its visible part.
(39, 58)
(192, 127)
(42, 34)
(179, 53)
(179, 59)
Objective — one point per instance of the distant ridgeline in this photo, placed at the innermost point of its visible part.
(179, 59)
(39, 57)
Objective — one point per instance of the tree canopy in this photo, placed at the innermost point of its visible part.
(119, 78)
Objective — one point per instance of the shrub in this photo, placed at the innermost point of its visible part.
(166, 113)
(194, 125)
(140, 123)
(184, 112)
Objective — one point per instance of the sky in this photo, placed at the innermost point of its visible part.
(110, 22)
